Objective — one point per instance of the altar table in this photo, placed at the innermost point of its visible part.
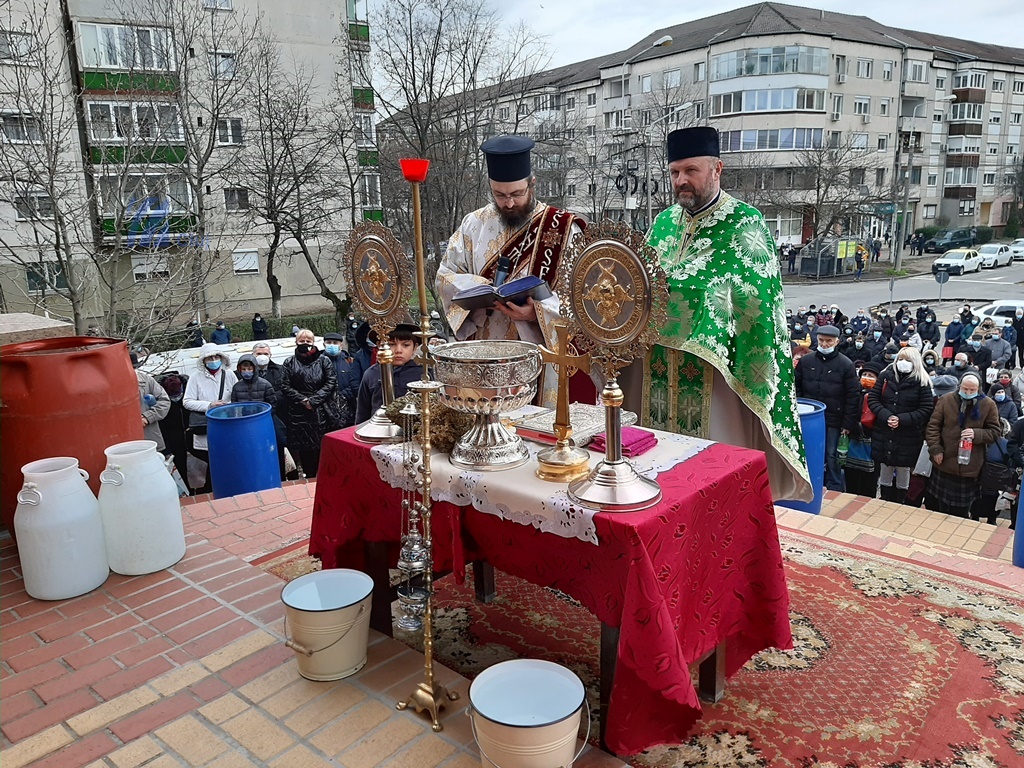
(701, 568)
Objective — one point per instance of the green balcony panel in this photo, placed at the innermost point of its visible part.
(176, 224)
(115, 155)
(367, 157)
(362, 98)
(128, 82)
(373, 215)
(359, 32)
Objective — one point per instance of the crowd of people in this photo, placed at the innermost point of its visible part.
(313, 392)
(916, 412)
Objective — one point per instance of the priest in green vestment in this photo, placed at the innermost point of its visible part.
(722, 369)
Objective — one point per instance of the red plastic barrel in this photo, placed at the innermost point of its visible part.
(69, 396)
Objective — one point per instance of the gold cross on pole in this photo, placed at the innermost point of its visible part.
(563, 462)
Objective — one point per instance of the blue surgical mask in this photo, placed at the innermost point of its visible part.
(1000, 397)
(332, 349)
(247, 375)
(213, 365)
(976, 344)
(858, 344)
(958, 363)
(877, 335)
(965, 396)
(826, 352)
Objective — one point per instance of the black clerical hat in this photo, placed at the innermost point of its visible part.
(508, 157)
(699, 141)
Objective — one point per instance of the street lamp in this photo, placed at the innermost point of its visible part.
(647, 161)
(906, 184)
(659, 43)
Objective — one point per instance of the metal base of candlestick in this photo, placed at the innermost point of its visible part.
(429, 699)
(615, 487)
(379, 429)
(562, 463)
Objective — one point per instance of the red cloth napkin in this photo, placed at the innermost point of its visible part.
(634, 441)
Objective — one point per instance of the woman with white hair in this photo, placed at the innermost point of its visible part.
(961, 418)
(209, 387)
(902, 403)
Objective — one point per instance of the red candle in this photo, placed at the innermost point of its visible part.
(414, 169)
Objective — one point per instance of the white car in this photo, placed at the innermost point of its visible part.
(995, 255)
(957, 262)
(1017, 248)
(999, 311)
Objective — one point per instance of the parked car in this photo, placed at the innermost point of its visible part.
(948, 240)
(995, 255)
(957, 262)
(999, 310)
(1017, 249)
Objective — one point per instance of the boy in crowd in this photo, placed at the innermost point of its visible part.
(403, 343)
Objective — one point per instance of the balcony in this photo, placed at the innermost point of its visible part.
(373, 214)
(359, 36)
(368, 157)
(129, 82)
(362, 98)
(164, 230)
(112, 154)
(960, 193)
(963, 160)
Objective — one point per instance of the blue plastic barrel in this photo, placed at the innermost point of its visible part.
(243, 449)
(812, 424)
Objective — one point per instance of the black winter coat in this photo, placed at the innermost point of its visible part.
(316, 381)
(863, 354)
(930, 332)
(833, 381)
(897, 394)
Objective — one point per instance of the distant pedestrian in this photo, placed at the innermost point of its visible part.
(859, 259)
(260, 329)
(221, 334)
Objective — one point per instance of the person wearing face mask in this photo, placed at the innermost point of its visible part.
(886, 324)
(966, 313)
(902, 403)
(312, 407)
(1010, 337)
(250, 388)
(979, 355)
(953, 334)
(959, 365)
(1018, 326)
(1005, 404)
(349, 376)
(209, 387)
(929, 331)
(887, 355)
(966, 414)
(860, 322)
(174, 426)
(830, 378)
(858, 350)
(221, 334)
(922, 313)
(874, 342)
(799, 335)
(914, 338)
(930, 361)
(861, 470)
(1000, 349)
(846, 341)
(267, 369)
(970, 328)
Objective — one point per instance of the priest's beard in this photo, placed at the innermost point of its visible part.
(516, 216)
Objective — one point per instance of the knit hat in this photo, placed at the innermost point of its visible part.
(943, 385)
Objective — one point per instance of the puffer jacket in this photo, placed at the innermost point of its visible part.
(833, 381)
(255, 390)
(315, 379)
(944, 428)
(900, 395)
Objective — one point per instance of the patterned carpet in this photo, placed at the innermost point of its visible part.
(895, 665)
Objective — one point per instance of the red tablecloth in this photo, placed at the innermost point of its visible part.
(701, 567)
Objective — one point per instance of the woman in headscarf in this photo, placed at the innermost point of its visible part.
(963, 417)
(902, 403)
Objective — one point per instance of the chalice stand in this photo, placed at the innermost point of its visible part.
(613, 292)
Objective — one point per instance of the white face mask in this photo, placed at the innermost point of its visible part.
(825, 351)
(904, 366)
(262, 360)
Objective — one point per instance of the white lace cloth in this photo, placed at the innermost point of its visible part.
(518, 494)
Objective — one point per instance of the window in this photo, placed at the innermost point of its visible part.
(837, 104)
(246, 262)
(591, 160)
(591, 99)
(887, 68)
(1018, 86)
(859, 141)
(645, 83)
(937, 117)
(917, 71)
(783, 138)
(149, 266)
(570, 190)
(671, 79)
(933, 179)
(883, 142)
(45, 276)
(915, 175)
(217, 5)
(117, 46)
(865, 67)
(36, 205)
(862, 105)
(369, 190)
(522, 110)
(570, 103)
(768, 61)
(929, 211)
(998, 86)
(989, 179)
(879, 177)
(591, 131)
(966, 111)
(966, 207)
(141, 196)
(364, 129)
(591, 188)
(940, 83)
(883, 107)
(112, 121)
(699, 71)
(542, 103)
(236, 198)
(20, 128)
(993, 148)
(503, 113)
(14, 46)
(222, 65)
(229, 131)
(1011, 149)
(995, 118)
(1015, 118)
(958, 176)
(857, 177)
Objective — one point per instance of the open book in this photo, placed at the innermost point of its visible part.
(512, 292)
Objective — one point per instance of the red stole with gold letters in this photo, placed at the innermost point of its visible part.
(540, 244)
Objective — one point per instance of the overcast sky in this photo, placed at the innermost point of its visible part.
(584, 29)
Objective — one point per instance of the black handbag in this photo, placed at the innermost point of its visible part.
(997, 476)
(197, 419)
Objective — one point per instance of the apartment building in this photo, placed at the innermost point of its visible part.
(144, 112)
(781, 82)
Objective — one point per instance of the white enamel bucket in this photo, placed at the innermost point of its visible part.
(526, 714)
(328, 613)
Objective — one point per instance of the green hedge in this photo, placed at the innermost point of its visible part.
(282, 327)
(928, 232)
(984, 235)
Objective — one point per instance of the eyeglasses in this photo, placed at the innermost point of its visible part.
(501, 197)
